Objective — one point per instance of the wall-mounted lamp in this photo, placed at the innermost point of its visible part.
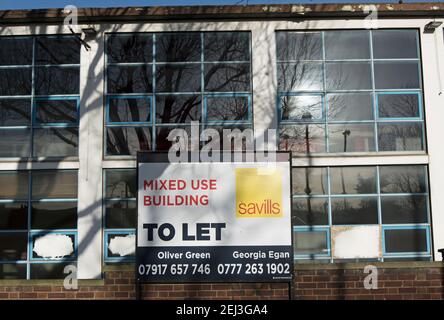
(431, 26)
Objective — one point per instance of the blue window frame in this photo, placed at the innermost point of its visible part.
(317, 247)
(109, 256)
(405, 246)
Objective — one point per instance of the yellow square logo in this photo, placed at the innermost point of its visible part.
(258, 193)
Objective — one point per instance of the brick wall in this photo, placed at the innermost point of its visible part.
(332, 281)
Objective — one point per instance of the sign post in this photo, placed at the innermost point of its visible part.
(213, 221)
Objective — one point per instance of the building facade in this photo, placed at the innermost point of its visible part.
(358, 102)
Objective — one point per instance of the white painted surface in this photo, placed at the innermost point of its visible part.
(53, 246)
(356, 242)
(123, 246)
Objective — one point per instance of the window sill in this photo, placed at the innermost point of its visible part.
(48, 282)
(362, 265)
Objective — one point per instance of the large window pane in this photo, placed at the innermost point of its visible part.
(403, 136)
(48, 271)
(397, 75)
(15, 51)
(14, 185)
(404, 209)
(402, 179)
(351, 137)
(227, 46)
(129, 79)
(398, 105)
(310, 243)
(178, 108)
(178, 78)
(57, 80)
(55, 142)
(54, 184)
(56, 239)
(178, 47)
(54, 215)
(129, 48)
(121, 214)
(300, 76)
(310, 211)
(348, 75)
(349, 107)
(405, 240)
(310, 181)
(395, 44)
(301, 107)
(293, 46)
(162, 132)
(128, 140)
(121, 183)
(21, 145)
(352, 180)
(227, 108)
(57, 50)
(13, 216)
(129, 110)
(347, 45)
(227, 77)
(354, 210)
(302, 138)
(16, 81)
(56, 111)
(13, 246)
(15, 112)
(12, 270)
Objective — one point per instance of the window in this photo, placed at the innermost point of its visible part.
(361, 213)
(39, 96)
(38, 223)
(160, 81)
(349, 91)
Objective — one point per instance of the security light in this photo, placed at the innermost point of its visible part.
(431, 26)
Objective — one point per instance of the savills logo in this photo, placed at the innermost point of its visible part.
(258, 195)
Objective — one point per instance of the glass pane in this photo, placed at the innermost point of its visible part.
(227, 77)
(12, 271)
(13, 246)
(130, 48)
(408, 240)
(178, 78)
(351, 137)
(348, 75)
(121, 183)
(21, 145)
(300, 76)
(233, 137)
(54, 184)
(57, 80)
(395, 44)
(302, 138)
(347, 45)
(178, 108)
(13, 216)
(57, 50)
(397, 75)
(128, 140)
(227, 108)
(61, 240)
(298, 46)
(14, 185)
(402, 179)
(227, 46)
(15, 51)
(398, 105)
(178, 47)
(404, 209)
(162, 142)
(309, 181)
(129, 252)
(310, 212)
(301, 108)
(400, 136)
(353, 180)
(15, 112)
(121, 214)
(56, 111)
(54, 215)
(129, 79)
(349, 107)
(311, 242)
(129, 110)
(354, 210)
(16, 81)
(55, 142)
(48, 270)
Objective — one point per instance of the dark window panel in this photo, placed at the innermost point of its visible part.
(130, 48)
(354, 210)
(129, 79)
(54, 184)
(128, 140)
(56, 142)
(310, 211)
(121, 183)
(347, 45)
(353, 180)
(56, 111)
(54, 215)
(129, 110)
(310, 243)
(404, 209)
(349, 107)
(351, 137)
(21, 146)
(227, 77)
(395, 44)
(121, 214)
(403, 136)
(120, 235)
(397, 75)
(178, 78)
(227, 108)
(48, 271)
(234, 137)
(298, 46)
(14, 185)
(57, 50)
(310, 181)
(15, 112)
(348, 75)
(178, 108)
(162, 132)
(12, 271)
(308, 138)
(50, 238)
(402, 179)
(227, 46)
(57, 80)
(16, 81)
(301, 107)
(300, 76)
(15, 51)
(13, 216)
(408, 240)
(398, 105)
(178, 47)
(13, 246)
